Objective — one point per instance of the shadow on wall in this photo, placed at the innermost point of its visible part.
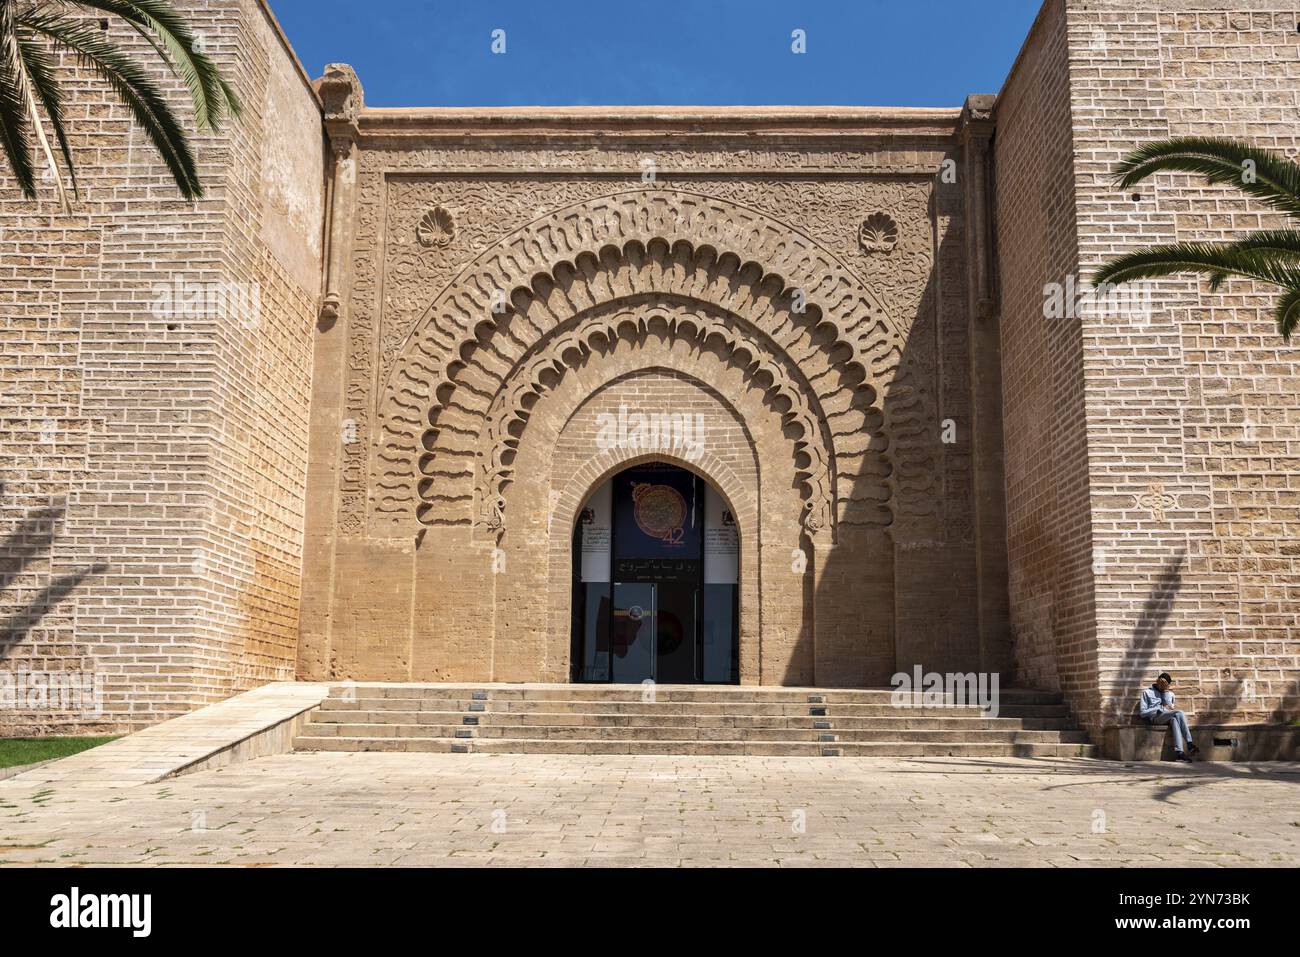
(1223, 708)
(1135, 671)
(29, 542)
(1288, 708)
(1140, 666)
(919, 556)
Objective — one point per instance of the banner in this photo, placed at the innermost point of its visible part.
(595, 521)
(656, 514)
(721, 541)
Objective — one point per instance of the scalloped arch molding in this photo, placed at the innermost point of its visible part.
(816, 333)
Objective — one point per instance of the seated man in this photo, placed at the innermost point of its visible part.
(1157, 706)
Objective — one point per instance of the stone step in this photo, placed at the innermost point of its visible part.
(679, 707)
(905, 749)
(700, 748)
(662, 693)
(686, 720)
(658, 733)
(579, 719)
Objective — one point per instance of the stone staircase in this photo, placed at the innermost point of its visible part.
(686, 720)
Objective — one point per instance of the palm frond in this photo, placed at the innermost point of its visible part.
(15, 120)
(1258, 172)
(1218, 261)
(171, 38)
(1283, 244)
(134, 87)
(43, 87)
(1287, 313)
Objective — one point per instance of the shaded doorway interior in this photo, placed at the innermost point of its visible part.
(656, 557)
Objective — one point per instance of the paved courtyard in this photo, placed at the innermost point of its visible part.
(430, 809)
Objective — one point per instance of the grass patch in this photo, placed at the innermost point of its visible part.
(16, 751)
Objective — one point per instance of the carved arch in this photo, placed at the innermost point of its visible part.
(600, 332)
(808, 304)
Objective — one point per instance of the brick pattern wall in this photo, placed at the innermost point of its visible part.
(154, 457)
(1196, 458)
(1189, 406)
(154, 460)
(1049, 535)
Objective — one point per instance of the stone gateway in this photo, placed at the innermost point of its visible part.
(809, 308)
(756, 396)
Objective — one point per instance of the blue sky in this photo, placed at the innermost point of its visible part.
(614, 52)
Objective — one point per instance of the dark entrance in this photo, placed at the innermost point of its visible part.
(655, 581)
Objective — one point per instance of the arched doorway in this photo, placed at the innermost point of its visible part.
(656, 563)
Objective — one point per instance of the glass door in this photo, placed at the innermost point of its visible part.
(675, 645)
(633, 636)
(655, 583)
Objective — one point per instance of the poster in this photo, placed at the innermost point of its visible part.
(721, 541)
(594, 520)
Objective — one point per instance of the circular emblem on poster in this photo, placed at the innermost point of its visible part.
(659, 511)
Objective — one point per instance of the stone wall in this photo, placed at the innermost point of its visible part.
(1049, 535)
(155, 456)
(499, 269)
(1192, 421)
(197, 501)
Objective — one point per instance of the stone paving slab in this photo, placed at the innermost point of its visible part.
(171, 746)
(547, 810)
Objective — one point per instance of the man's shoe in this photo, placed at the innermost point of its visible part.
(1193, 749)
(1179, 756)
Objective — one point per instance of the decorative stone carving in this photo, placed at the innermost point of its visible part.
(549, 360)
(1156, 501)
(740, 289)
(815, 517)
(878, 233)
(328, 313)
(437, 228)
(359, 375)
(905, 392)
(651, 259)
(342, 100)
(341, 95)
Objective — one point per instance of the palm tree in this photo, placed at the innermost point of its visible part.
(33, 32)
(1271, 256)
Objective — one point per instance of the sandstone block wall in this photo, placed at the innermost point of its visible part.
(198, 500)
(1184, 555)
(1049, 533)
(509, 271)
(154, 457)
